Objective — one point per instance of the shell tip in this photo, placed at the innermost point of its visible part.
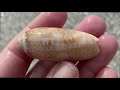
(96, 39)
(21, 41)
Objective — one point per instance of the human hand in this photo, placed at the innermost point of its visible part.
(14, 62)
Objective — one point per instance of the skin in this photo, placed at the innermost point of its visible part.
(14, 62)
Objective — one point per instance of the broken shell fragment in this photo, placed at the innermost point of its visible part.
(57, 44)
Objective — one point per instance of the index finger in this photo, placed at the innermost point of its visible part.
(13, 60)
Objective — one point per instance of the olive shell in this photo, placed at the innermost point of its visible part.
(57, 44)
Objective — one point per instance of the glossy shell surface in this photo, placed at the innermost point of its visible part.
(57, 44)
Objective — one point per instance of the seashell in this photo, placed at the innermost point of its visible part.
(57, 44)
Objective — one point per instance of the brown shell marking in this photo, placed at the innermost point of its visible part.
(59, 44)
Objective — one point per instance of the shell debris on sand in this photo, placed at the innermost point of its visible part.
(57, 44)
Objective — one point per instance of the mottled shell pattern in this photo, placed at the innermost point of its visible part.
(57, 44)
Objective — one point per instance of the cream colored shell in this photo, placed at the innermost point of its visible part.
(57, 44)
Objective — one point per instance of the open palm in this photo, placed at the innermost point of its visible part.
(14, 62)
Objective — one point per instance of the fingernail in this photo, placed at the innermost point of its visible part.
(66, 70)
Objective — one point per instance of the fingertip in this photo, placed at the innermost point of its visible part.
(110, 37)
(107, 73)
(49, 19)
(64, 69)
(59, 16)
(95, 17)
(67, 70)
(97, 21)
(109, 43)
(92, 24)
